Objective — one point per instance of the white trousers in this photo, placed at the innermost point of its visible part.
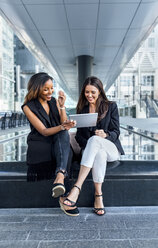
(97, 153)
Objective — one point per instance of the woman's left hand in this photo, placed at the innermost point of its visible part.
(68, 124)
(101, 133)
(61, 98)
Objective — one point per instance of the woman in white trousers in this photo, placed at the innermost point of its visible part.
(99, 144)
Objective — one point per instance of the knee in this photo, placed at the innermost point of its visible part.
(94, 139)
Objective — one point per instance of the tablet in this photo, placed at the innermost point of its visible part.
(85, 120)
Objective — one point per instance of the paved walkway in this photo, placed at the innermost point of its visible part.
(128, 227)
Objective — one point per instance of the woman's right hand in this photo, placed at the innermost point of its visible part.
(101, 133)
(68, 124)
(61, 98)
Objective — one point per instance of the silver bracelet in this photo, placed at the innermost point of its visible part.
(62, 128)
(62, 107)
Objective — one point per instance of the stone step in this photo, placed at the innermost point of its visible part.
(132, 183)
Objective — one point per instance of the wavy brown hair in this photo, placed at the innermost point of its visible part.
(35, 85)
(102, 103)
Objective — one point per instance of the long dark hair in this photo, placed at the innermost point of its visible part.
(35, 85)
(102, 103)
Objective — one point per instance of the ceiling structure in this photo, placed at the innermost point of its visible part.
(58, 31)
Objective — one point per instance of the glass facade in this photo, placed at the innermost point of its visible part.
(17, 65)
(25, 66)
(6, 67)
(136, 87)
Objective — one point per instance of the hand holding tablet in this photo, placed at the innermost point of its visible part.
(68, 124)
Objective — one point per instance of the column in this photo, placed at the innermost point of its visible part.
(85, 66)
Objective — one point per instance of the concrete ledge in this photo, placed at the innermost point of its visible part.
(132, 183)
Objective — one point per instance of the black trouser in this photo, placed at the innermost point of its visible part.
(61, 150)
(63, 155)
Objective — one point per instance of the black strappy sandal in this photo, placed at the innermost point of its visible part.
(73, 204)
(96, 210)
(58, 188)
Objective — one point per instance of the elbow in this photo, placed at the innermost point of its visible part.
(45, 132)
(118, 134)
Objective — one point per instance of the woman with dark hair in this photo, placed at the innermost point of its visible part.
(99, 144)
(48, 139)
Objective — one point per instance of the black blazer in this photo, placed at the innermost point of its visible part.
(110, 125)
(39, 146)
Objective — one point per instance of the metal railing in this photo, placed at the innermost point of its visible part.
(130, 129)
(12, 120)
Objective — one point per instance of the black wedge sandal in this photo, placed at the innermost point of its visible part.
(58, 188)
(70, 212)
(96, 210)
(73, 204)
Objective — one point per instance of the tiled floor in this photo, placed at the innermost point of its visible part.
(129, 227)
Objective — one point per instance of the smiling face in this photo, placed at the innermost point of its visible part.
(47, 91)
(91, 94)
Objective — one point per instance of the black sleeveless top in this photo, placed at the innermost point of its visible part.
(39, 146)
